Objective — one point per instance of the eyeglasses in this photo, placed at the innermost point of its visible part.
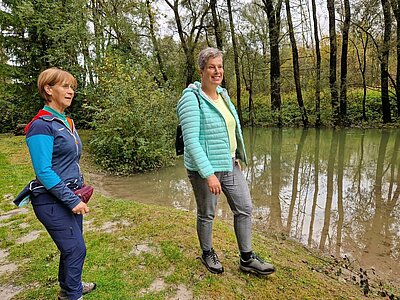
(66, 86)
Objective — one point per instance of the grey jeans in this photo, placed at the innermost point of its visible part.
(236, 190)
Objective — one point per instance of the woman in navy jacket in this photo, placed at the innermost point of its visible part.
(55, 149)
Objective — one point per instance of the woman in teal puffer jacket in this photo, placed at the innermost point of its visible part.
(213, 145)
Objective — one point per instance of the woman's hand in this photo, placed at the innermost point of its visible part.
(214, 185)
(81, 209)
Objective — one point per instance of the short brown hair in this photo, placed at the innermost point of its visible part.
(51, 77)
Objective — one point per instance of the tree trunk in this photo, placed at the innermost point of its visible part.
(364, 81)
(150, 14)
(343, 67)
(318, 68)
(248, 78)
(333, 61)
(396, 12)
(296, 68)
(217, 30)
(217, 27)
(251, 108)
(188, 40)
(98, 31)
(397, 15)
(275, 70)
(386, 115)
(236, 59)
(362, 66)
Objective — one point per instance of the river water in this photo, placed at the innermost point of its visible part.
(333, 190)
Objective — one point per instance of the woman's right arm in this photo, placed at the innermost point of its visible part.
(189, 117)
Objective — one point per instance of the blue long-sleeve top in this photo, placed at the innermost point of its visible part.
(55, 149)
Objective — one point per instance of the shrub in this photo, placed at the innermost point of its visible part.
(291, 116)
(133, 119)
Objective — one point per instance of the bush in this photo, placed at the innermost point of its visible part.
(7, 122)
(134, 119)
(291, 116)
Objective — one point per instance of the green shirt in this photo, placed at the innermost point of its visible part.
(61, 116)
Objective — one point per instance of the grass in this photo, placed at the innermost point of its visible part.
(137, 251)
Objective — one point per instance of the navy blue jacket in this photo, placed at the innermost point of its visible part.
(55, 152)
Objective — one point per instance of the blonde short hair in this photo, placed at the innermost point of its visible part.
(53, 76)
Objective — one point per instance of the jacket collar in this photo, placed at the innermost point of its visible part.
(40, 114)
(47, 116)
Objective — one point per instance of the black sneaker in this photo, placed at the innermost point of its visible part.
(212, 262)
(256, 265)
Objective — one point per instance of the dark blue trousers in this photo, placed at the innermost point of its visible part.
(65, 228)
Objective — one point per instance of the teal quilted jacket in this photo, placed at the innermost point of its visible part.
(205, 134)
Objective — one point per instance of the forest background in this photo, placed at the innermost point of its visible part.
(287, 63)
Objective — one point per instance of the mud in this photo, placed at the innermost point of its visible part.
(8, 291)
(13, 212)
(31, 236)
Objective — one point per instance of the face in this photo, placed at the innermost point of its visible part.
(61, 95)
(213, 72)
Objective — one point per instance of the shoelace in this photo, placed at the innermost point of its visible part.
(214, 257)
(256, 257)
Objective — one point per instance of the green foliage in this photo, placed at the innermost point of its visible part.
(39, 34)
(291, 116)
(7, 111)
(134, 119)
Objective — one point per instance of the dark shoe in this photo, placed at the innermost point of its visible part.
(212, 262)
(87, 287)
(256, 265)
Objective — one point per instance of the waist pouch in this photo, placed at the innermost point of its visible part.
(34, 189)
(84, 193)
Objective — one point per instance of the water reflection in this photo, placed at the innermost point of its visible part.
(336, 190)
